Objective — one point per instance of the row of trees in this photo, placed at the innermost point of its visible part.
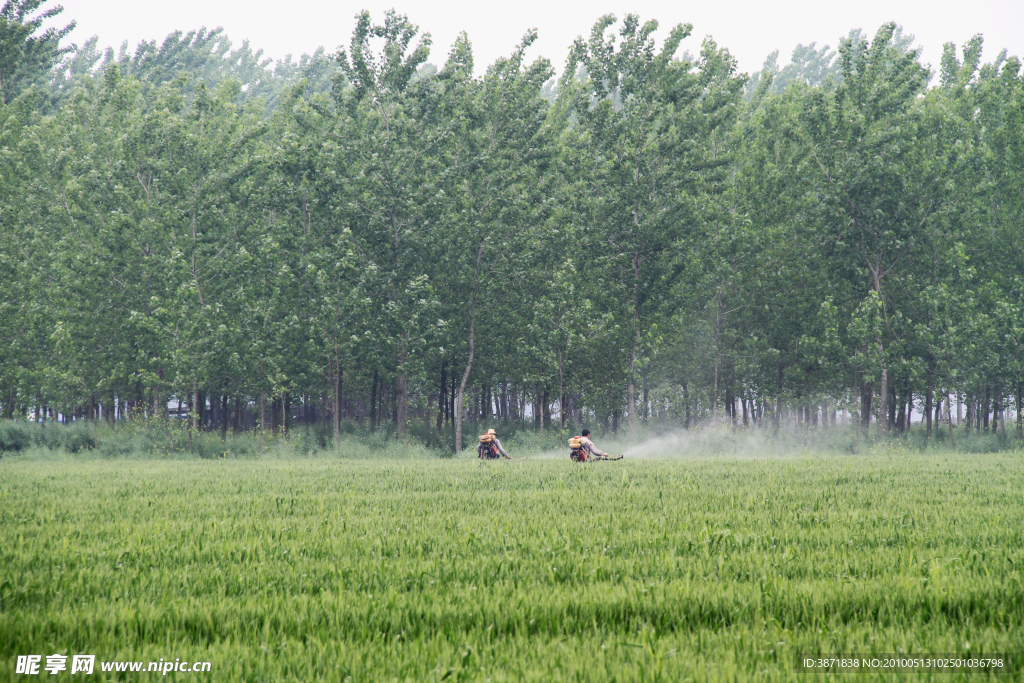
(369, 237)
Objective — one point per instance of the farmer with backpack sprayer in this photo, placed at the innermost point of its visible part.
(582, 449)
(489, 447)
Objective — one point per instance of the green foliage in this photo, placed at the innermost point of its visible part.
(77, 438)
(27, 52)
(988, 443)
(18, 436)
(368, 238)
(14, 437)
(200, 56)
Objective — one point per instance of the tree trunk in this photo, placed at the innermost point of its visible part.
(901, 416)
(997, 412)
(286, 409)
(442, 396)
(989, 409)
(949, 416)
(402, 399)
(686, 402)
(263, 405)
(561, 390)
(777, 418)
(883, 392)
(374, 417)
(1020, 413)
(536, 407)
(718, 333)
(452, 397)
(429, 413)
(714, 393)
(866, 394)
(928, 411)
(892, 406)
(223, 417)
(263, 413)
(336, 413)
(637, 336)
(979, 408)
(465, 374)
(195, 413)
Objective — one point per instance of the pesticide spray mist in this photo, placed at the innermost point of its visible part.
(708, 442)
(704, 442)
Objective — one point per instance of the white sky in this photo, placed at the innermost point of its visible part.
(750, 29)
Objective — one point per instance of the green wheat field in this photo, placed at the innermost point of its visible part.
(423, 569)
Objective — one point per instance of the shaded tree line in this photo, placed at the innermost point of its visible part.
(368, 238)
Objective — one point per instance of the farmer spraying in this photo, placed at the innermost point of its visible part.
(489, 447)
(582, 449)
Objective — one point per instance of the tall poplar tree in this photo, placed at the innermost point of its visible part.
(652, 127)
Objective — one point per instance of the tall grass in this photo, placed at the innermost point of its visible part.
(680, 568)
